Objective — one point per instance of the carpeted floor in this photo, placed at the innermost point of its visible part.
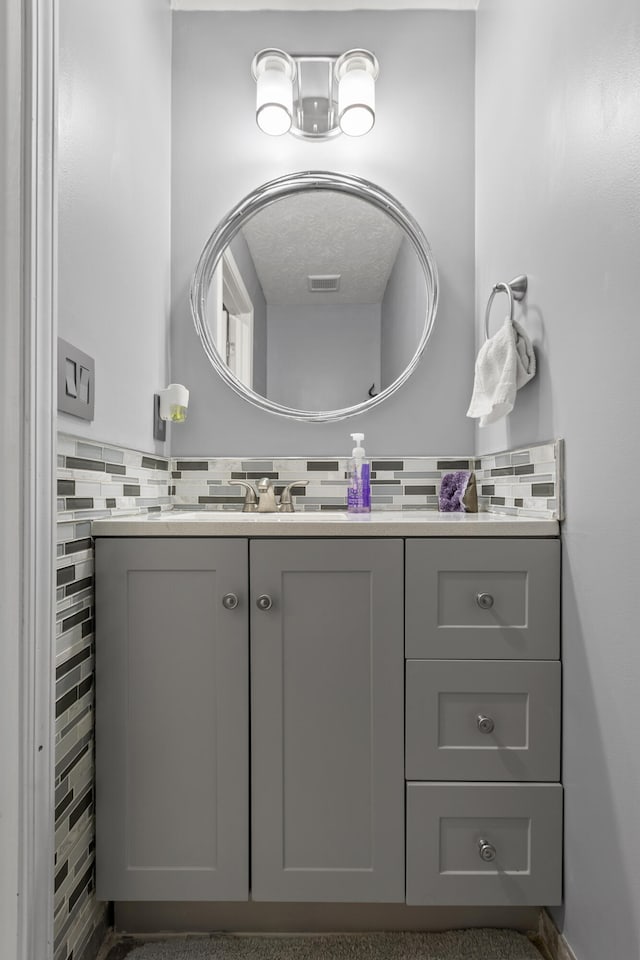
(480, 944)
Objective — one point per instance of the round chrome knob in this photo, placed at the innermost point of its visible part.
(229, 601)
(264, 602)
(484, 724)
(484, 601)
(486, 850)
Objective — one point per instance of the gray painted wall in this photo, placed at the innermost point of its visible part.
(244, 260)
(323, 357)
(558, 198)
(421, 150)
(114, 104)
(404, 302)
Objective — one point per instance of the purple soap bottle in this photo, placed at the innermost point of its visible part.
(359, 490)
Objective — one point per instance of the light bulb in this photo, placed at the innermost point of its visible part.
(274, 71)
(356, 71)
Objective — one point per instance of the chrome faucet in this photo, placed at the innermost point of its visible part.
(263, 498)
(266, 496)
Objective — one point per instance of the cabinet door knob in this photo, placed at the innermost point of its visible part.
(484, 724)
(486, 850)
(484, 601)
(230, 601)
(264, 602)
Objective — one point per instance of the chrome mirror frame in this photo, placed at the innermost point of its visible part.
(265, 195)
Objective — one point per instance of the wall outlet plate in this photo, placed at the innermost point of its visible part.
(159, 426)
(76, 381)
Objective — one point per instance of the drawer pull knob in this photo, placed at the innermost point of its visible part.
(487, 851)
(264, 602)
(484, 724)
(484, 601)
(230, 601)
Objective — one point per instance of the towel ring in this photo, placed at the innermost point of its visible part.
(515, 290)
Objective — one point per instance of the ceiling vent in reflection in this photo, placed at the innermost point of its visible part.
(324, 283)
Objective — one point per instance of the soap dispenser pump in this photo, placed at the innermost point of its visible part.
(359, 490)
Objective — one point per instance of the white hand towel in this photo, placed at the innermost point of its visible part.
(504, 363)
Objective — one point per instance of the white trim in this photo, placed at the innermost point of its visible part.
(26, 444)
(229, 289)
(237, 297)
(11, 418)
(39, 458)
(338, 6)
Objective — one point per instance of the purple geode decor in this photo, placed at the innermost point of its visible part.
(452, 490)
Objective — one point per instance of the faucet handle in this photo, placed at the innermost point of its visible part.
(250, 501)
(286, 502)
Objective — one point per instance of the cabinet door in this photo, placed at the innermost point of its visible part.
(327, 720)
(483, 599)
(171, 720)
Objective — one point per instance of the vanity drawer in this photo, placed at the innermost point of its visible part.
(483, 599)
(484, 844)
(482, 720)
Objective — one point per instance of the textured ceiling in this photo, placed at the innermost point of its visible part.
(322, 233)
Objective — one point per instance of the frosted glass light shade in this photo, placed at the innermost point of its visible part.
(274, 72)
(356, 72)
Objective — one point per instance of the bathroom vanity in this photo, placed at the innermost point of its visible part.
(328, 708)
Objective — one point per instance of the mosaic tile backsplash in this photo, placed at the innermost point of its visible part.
(524, 482)
(96, 481)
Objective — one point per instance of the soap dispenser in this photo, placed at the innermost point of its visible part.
(359, 490)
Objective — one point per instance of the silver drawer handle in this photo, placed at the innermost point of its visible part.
(264, 602)
(487, 850)
(230, 601)
(484, 601)
(484, 724)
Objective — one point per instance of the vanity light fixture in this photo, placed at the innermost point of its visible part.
(315, 97)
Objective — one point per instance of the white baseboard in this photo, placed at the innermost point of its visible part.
(554, 942)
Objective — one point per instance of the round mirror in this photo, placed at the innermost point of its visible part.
(315, 296)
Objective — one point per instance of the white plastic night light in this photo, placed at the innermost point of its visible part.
(356, 73)
(174, 402)
(274, 72)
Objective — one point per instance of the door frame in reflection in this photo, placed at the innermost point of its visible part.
(233, 318)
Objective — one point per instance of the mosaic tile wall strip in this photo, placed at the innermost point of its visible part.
(93, 481)
(523, 482)
(412, 483)
(526, 482)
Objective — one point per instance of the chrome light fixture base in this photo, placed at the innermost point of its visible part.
(310, 96)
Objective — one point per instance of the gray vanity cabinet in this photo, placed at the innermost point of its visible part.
(325, 672)
(327, 694)
(250, 720)
(171, 719)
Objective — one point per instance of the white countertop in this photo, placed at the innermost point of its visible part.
(174, 523)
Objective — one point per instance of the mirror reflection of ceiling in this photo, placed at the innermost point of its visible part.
(322, 234)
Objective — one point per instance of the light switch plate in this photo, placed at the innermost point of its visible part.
(76, 381)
